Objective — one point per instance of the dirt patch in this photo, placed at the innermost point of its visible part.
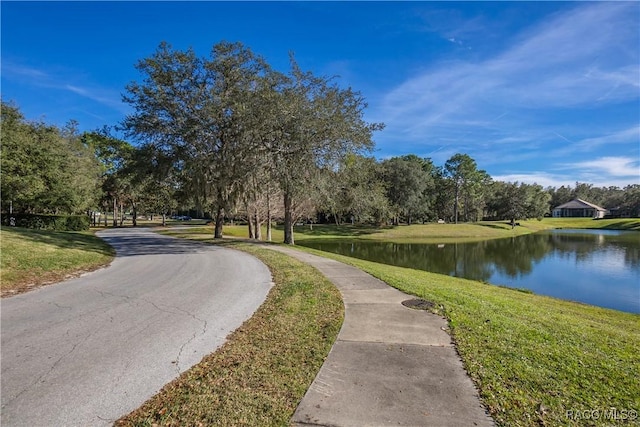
(49, 278)
(419, 304)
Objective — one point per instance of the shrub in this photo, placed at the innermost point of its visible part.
(47, 222)
(77, 223)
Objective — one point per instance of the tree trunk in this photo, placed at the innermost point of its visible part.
(121, 215)
(257, 230)
(466, 207)
(219, 222)
(135, 215)
(288, 220)
(268, 216)
(164, 219)
(250, 225)
(115, 212)
(455, 206)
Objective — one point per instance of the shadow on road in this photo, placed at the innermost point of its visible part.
(133, 243)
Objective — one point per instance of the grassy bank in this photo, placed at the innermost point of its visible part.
(609, 224)
(263, 370)
(535, 360)
(30, 258)
(425, 233)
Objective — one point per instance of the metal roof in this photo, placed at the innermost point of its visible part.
(579, 204)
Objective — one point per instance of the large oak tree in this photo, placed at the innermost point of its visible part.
(233, 125)
(317, 124)
(197, 112)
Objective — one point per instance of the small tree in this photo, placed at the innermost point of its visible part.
(316, 125)
(407, 180)
(467, 183)
(354, 190)
(115, 157)
(515, 201)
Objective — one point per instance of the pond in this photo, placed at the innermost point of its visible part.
(597, 267)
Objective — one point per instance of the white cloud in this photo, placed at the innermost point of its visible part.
(78, 90)
(58, 78)
(100, 95)
(456, 41)
(568, 178)
(612, 166)
(20, 71)
(601, 172)
(620, 137)
(613, 141)
(541, 178)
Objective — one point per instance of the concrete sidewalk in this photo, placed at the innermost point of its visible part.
(390, 365)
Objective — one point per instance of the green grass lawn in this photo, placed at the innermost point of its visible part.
(31, 258)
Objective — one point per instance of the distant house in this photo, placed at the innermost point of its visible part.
(578, 208)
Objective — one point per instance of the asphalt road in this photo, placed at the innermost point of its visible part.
(89, 350)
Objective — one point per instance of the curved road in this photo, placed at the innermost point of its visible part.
(89, 350)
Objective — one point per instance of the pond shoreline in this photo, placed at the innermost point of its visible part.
(591, 266)
(455, 233)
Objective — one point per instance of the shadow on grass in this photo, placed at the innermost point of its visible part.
(338, 230)
(497, 225)
(631, 225)
(63, 239)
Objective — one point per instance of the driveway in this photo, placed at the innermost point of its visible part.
(89, 350)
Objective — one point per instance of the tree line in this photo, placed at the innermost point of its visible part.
(230, 137)
(409, 189)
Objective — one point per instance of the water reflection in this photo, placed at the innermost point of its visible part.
(598, 267)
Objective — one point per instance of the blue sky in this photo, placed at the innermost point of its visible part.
(545, 92)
